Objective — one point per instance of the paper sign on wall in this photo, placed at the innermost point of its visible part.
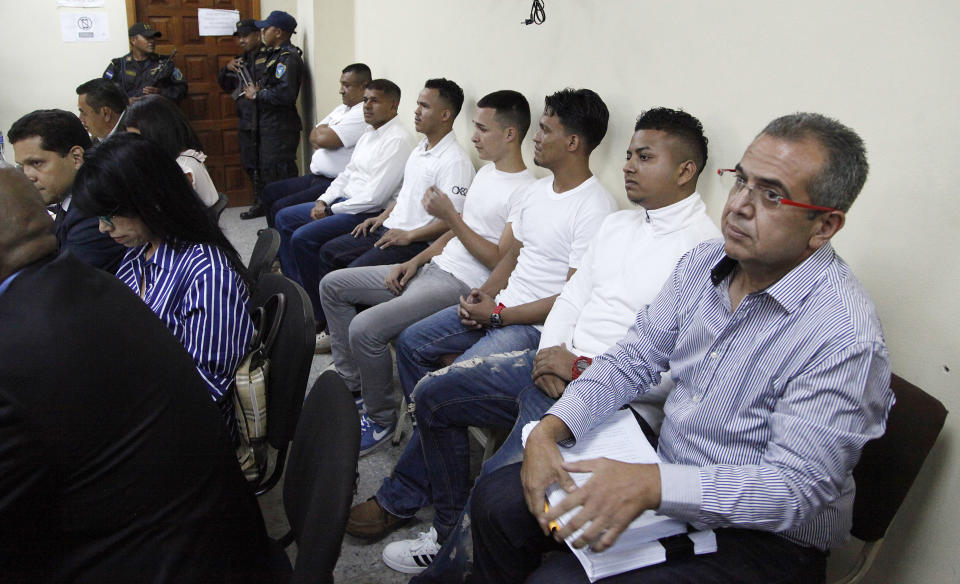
(213, 22)
(84, 27)
(81, 3)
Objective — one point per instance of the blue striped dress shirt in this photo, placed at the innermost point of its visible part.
(202, 300)
(773, 401)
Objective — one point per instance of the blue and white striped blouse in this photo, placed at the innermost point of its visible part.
(201, 299)
(773, 401)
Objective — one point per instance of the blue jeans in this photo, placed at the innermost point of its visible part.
(300, 241)
(454, 561)
(292, 191)
(508, 545)
(419, 349)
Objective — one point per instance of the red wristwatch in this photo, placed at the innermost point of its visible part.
(496, 321)
(579, 366)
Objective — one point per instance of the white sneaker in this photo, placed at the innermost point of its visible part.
(323, 343)
(412, 556)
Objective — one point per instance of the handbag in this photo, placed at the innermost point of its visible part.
(250, 389)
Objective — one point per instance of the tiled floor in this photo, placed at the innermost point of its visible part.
(359, 561)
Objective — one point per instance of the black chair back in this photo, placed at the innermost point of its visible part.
(264, 252)
(889, 464)
(216, 209)
(321, 475)
(290, 359)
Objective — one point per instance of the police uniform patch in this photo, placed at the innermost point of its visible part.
(177, 75)
(109, 74)
(281, 69)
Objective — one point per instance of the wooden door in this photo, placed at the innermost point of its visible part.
(211, 111)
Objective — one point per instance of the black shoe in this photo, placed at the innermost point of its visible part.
(253, 212)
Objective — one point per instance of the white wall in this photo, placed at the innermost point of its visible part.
(40, 70)
(886, 69)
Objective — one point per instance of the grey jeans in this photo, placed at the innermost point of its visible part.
(359, 342)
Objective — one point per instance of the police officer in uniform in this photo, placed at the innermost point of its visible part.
(277, 72)
(229, 78)
(143, 72)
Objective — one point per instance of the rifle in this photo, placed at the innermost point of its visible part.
(161, 71)
(245, 80)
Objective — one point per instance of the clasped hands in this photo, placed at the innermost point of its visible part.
(613, 497)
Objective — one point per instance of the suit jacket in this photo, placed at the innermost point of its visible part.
(80, 233)
(114, 463)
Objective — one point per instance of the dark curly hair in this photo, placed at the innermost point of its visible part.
(582, 112)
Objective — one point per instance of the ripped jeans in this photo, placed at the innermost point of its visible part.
(479, 389)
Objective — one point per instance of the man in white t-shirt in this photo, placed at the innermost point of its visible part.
(332, 139)
(405, 228)
(459, 260)
(625, 266)
(553, 227)
(361, 191)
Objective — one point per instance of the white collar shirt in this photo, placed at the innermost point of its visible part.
(374, 173)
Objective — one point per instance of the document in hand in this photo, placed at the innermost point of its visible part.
(650, 537)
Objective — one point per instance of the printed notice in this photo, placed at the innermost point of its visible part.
(81, 3)
(213, 22)
(84, 27)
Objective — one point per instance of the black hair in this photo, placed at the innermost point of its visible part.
(387, 87)
(582, 112)
(842, 176)
(161, 121)
(101, 92)
(59, 130)
(449, 92)
(512, 109)
(129, 175)
(360, 70)
(680, 124)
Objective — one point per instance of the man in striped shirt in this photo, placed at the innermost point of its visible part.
(781, 373)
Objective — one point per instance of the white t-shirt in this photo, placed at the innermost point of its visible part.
(445, 166)
(493, 194)
(348, 124)
(191, 162)
(556, 229)
(374, 173)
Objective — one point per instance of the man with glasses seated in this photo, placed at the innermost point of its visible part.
(781, 374)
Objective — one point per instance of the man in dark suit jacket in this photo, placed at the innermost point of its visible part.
(111, 469)
(49, 145)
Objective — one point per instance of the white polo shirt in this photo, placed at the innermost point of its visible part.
(447, 166)
(348, 124)
(374, 173)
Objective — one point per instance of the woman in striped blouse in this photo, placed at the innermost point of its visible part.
(179, 261)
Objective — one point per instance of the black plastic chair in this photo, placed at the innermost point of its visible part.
(290, 359)
(888, 467)
(216, 209)
(321, 478)
(264, 252)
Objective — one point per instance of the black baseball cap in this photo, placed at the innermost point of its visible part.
(144, 29)
(279, 19)
(246, 26)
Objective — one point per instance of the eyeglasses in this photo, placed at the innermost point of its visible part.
(108, 219)
(769, 195)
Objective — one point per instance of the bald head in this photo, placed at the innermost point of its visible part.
(26, 230)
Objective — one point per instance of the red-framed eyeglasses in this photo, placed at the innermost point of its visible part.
(770, 195)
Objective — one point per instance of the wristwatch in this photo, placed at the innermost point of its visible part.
(496, 321)
(579, 366)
